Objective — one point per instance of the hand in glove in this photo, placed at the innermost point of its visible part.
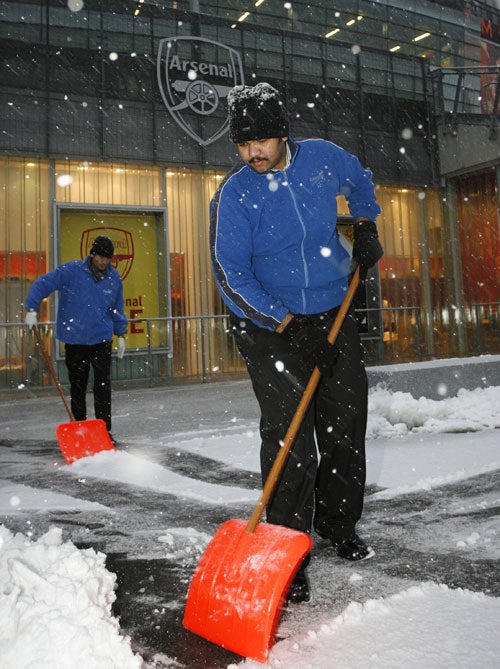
(30, 319)
(312, 343)
(121, 347)
(366, 250)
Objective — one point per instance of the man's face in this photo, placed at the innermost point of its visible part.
(264, 154)
(100, 262)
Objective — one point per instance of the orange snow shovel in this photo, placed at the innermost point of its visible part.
(239, 586)
(79, 438)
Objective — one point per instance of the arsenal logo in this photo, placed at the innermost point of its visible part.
(194, 75)
(123, 243)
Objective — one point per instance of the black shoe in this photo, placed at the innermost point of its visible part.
(299, 590)
(352, 548)
(112, 439)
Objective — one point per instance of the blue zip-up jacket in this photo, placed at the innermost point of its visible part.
(274, 243)
(89, 311)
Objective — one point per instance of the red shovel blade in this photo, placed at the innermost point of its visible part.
(238, 588)
(81, 438)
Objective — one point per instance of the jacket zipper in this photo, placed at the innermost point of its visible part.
(304, 263)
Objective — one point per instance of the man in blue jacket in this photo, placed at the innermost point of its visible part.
(282, 271)
(90, 311)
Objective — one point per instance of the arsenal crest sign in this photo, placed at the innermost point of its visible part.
(195, 75)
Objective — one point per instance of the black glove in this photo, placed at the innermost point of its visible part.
(312, 343)
(366, 250)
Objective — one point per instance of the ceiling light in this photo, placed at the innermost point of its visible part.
(395, 48)
(349, 23)
(332, 32)
(244, 16)
(259, 2)
(419, 37)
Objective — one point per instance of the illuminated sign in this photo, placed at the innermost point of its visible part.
(135, 243)
(490, 30)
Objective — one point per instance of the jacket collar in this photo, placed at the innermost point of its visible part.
(291, 150)
(294, 147)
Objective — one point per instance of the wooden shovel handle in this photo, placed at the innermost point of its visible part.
(52, 371)
(300, 412)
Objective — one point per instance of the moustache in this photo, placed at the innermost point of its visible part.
(256, 158)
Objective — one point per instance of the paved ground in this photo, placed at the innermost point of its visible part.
(413, 534)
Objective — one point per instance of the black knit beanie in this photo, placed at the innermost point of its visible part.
(102, 246)
(256, 112)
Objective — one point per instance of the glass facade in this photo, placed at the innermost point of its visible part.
(433, 30)
(478, 222)
(412, 290)
(85, 82)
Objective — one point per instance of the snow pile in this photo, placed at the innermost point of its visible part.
(427, 625)
(397, 413)
(55, 606)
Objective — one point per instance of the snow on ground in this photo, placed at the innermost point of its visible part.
(56, 599)
(18, 498)
(423, 626)
(133, 470)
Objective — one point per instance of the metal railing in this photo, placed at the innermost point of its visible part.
(196, 348)
(471, 93)
(202, 349)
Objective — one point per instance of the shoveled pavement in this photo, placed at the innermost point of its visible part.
(410, 533)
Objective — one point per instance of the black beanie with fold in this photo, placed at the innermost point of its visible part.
(102, 246)
(256, 112)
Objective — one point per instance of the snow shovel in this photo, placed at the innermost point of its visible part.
(239, 586)
(79, 438)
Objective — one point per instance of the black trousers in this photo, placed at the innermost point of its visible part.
(322, 486)
(79, 358)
